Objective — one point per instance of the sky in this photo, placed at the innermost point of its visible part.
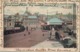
(11, 10)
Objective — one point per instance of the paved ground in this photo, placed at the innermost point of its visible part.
(48, 44)
(35, 39)
(21, 40)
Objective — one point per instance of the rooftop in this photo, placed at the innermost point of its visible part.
(32, 16)
(55, 20)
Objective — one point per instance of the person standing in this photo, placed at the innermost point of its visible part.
(57, 35)
(28, 32)
(62, 35)
(53, 31)
(43, 34)
(27, 28)
(50, 35)
(24, 34)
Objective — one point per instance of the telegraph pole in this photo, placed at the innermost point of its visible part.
(74, 16)
(47, 15)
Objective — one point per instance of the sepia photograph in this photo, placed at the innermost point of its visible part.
(40, 26)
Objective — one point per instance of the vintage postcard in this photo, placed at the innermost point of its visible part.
(40, 25)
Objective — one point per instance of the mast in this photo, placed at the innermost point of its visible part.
(47, 15)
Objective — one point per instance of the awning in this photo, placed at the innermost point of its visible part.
(55, 21)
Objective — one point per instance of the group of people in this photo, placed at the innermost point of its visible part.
(56, 33)
(71, 32)
(60, 36)
(29, 29)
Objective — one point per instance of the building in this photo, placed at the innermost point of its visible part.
(9, 22)
(42, 17)
(54, 22)
(18, 19)
(32, 21)
(12, 21)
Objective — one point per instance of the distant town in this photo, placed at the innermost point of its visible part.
(28, 19)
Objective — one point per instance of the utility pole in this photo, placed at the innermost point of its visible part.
(47, 15)
(74, 15)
